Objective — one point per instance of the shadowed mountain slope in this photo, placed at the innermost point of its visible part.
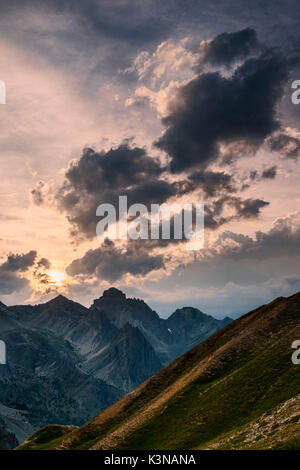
(8, 441)
(66, 362)
(238, 389)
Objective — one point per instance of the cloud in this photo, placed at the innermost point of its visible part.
(110, 19)
(215, 212)
(16, 262)
(210, 115)
(211, 110)
(10, 278)
(81, 47)
(212, 183)
(44, 263)
(38, 193)
(101, 177)
(270, 172)
(159, 74)
(282, 240)
(227, 48)
(119, 167)
(105, 18)
(10, 282)
(111, 263)
(13, 271)
(288, 146)
(246, 208)
(240, 267)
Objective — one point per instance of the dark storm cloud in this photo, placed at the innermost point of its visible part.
(238, 111)
(287, 146)
(212, 109)
(119, 167)
(13, 269)
(213, 220)
(111, 263)
(82, 215)
(215, 212)
(270, 172)
(227, 48)
(16, 262)
(211, 183)
(10, 278)
(247, 208)
(44, 263)
(214, 217)
(101, 177)
(151, 192)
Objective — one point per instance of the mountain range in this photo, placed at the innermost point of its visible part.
(238, 389)
(66, 362)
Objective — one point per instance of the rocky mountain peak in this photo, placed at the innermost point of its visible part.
(59, 300)
(113, 293)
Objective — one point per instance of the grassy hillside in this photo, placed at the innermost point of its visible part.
(238, 389)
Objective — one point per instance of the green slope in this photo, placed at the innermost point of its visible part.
(238, 389)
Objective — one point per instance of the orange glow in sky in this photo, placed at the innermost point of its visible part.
(57, 278)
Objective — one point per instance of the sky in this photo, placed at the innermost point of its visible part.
(165, 102)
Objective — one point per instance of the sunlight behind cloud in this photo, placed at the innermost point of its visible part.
(57, 278)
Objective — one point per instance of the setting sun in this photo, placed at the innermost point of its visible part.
(56, 277)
